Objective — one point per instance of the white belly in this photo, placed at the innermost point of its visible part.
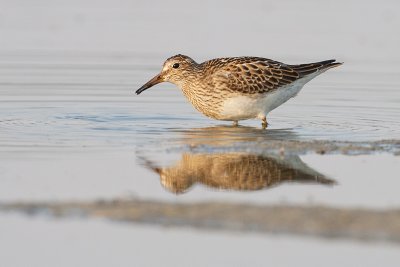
(258, 106)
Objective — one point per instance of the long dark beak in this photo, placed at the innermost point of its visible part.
(157, 79)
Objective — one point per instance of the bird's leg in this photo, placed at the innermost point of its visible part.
(235, 123)
(264, 123)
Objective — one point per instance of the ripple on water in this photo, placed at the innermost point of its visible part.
(352, 106)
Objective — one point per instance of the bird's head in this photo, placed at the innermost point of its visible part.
(175, 70)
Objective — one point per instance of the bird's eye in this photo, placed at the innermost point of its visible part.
(175, 66)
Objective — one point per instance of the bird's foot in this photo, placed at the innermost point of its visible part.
(264, 123)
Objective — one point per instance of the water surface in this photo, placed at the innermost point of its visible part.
(71, 110)
(72, 129)
(47, 101)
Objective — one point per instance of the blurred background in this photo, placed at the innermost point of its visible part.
(91, 174)
(364, 30)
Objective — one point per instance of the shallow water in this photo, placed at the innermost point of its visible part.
(71, 127)
(121, 243)
(368, 181)
(86, 105)
(50, 101)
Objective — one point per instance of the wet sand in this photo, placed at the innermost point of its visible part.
(318, 221)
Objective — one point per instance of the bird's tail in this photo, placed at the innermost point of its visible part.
(309, 68)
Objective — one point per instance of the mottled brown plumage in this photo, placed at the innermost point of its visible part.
(237, 88)
(236, 171)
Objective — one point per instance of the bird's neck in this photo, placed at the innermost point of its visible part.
(192, 79)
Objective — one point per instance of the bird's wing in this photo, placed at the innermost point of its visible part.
(253, 75)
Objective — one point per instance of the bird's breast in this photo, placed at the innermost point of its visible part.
(204, 100)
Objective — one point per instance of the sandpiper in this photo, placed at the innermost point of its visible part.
(237, 88)
(235, 171)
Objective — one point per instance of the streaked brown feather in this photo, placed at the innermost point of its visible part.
(255, 75)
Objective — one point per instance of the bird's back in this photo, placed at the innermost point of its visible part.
(255, 75)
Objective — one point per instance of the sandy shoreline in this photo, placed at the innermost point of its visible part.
(318, 221)
(391, 146)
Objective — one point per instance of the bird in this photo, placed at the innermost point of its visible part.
(237, 88)
(239, 171)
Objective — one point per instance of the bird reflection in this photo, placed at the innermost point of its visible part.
(235, 171)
